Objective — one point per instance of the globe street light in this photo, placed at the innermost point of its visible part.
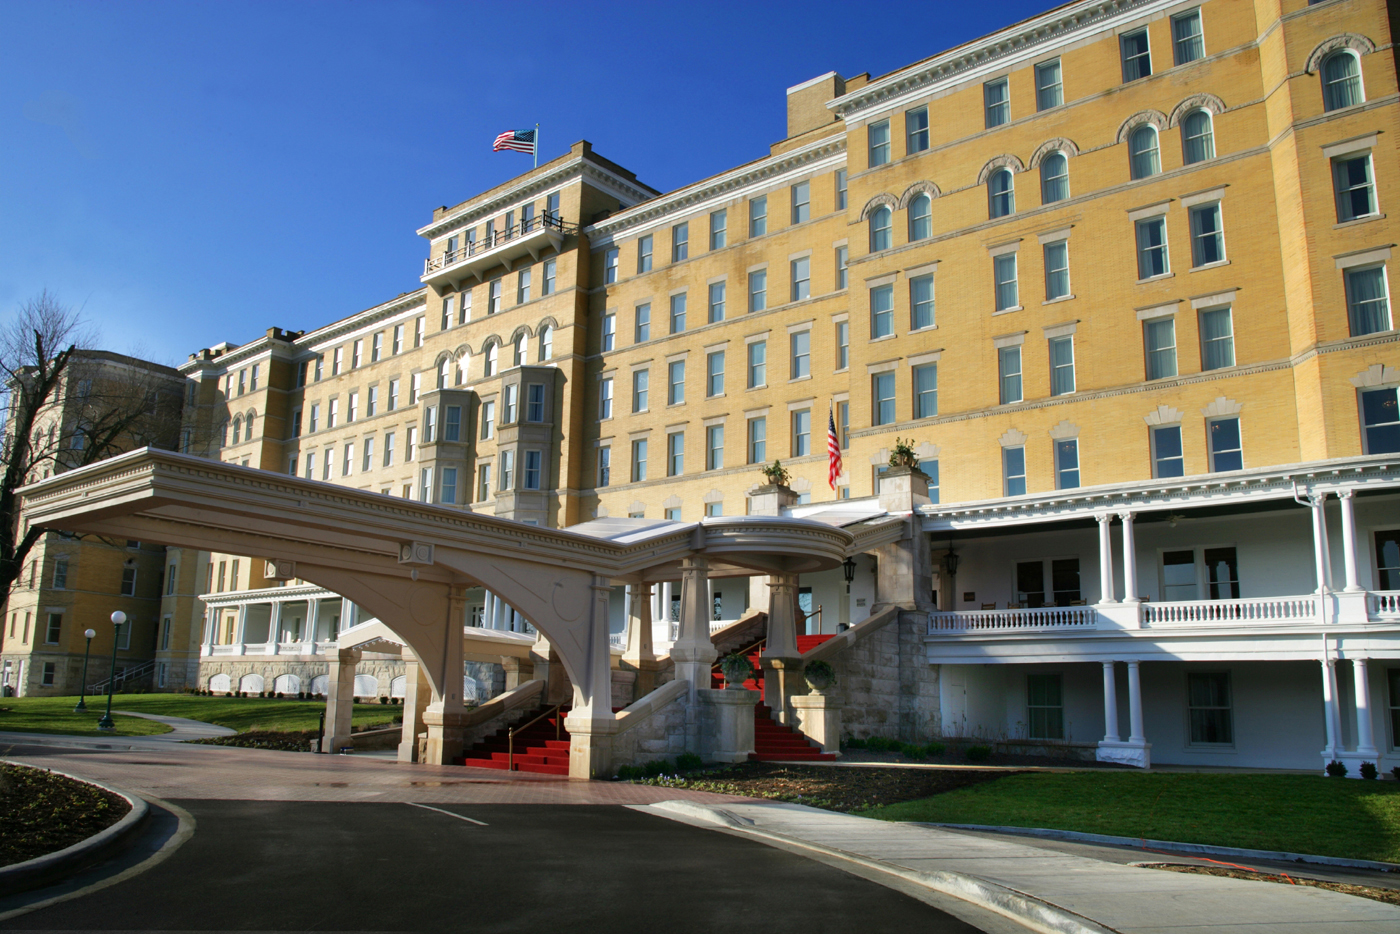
(82, 689)
(105, 724)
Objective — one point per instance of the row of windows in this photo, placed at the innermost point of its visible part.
(464, 242)
(1209, 709)
(53, 632)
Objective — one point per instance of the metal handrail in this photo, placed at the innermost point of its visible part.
(510, 734)
(744, 652)
(495, 239)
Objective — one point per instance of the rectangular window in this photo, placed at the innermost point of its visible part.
(758, 364)
(673, 514)
(507, 480)
(714, 447)
(446, 323)
(916, 130)
(395, 348)
(60, 572)
(843, 273)
(551, 206)
(1355, 187)
(522, 286)
(1013, 471)
(609, 335)
(1067, 464)
(1009, 368)
(802, 433)
(420, 325)
(840, 189)
(881, 311)
(347, 463)
(352, 407)
(758, 290)
(801, 202)
(605, 398)
(801, 278)
(641, 384)
(926, 390)
(392, 402)
(510, 396)
(680, 242)
(843, 345)
(1167, 459)
(879, 137)
(921, 302)
(1049, 92)
(712, 510)
(610, 266)
(533, 461)
(675, 454)
(1393, 679)
(644, 254)
(388, 449)
(1137, 59)
(488, 420)
(551, 275)
(1368, 303)
(1056, 270)
(719, 223)
(642, 326)
(411, 443)
(1225, 450)
(996, 97)
(714, 374)
(47, 677)
(170, 572)
(376, 349)
(1004, 272)
(882, 394)
(604, 465)
(800, 343)
(678, 313)
(1209, 708)
(639, 461)
(55, 629)
(758, 216)
(1217, 339)
(415, 388)
(758, 442)
(449, 486)
(311, 465)
(1159, 339)
(675, 382)
(1207, 237)
(1061, 366)
(1152, 248)
(716, 302)
(337, 358)
(1380, 421)
(483, 482)
(534, 403)
(1045, 707)
(367, 459)
(128, 582)
(1188, 45)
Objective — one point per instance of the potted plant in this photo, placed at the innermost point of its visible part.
(820, 675)
(776, 474)
(903, 454)
(737, 669)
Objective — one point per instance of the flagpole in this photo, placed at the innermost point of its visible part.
(537, 145)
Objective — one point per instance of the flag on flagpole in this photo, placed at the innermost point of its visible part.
(833, 450)
(515, 141)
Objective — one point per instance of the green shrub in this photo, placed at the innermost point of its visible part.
(855, 743)
(1368, 770)
(914, 752)
(383, 700)
(657, 767)
(1336, 769)
(935, 748)
(687, 761)
(978, 753)
(880, 744)
(626, 773)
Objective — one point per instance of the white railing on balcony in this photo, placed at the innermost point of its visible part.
(1028, 620)
(1384, 604)
(225, 650)
(496, 238)
(617, 640)
(1213, 612)
(715, 626)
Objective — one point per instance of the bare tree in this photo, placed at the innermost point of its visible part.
(65, 406)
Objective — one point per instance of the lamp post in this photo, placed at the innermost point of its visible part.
(106, 724)
(82, 688)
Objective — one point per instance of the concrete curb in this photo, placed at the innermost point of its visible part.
(1020, 907)
(51, 867)
(1186, 849)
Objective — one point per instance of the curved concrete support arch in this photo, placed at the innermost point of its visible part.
(1153, 117)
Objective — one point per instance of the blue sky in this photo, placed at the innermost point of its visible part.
(200, 171)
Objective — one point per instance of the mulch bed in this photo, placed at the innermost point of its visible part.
(296, 741)
(41, 812)
(1389, 896)
(830, 787)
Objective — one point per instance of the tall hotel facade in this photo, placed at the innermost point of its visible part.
(1120, 272)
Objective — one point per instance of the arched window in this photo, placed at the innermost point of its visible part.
(1054, 178)
(462, 362)
(881, 229)
(522, 349)
(1341, 80)
(546, 343)
(492, 355)
(237, 429)
(248, 425)
(1197, 138)
(1142, 152)
(1001, 194)
(921, 218)
(444, 371)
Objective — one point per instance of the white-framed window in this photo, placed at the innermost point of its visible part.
(1207, 235)
(758, 290)
(641, 389)
(367, 459)
(1056, 269)
(510, 398)
(1226, 452)
(332, 412)
(1049, 91)
(758, 440)
(675, 382)
(1217, 338)
(507, 479)
(800, 345)
(1009, 374)
(47, 675)
(337, 359)
(347, 463)
(609, 335)
(714, 447)
(1209, 708)
(675, 454)
(1143, 152)
(1045, 707)
(376, 350)
(1152, 254)
(605, 398)
(926, 391)
(1013, 471)
(1067, 463)
(758, 216)
(641, 323)
(51, 636)
(448, 487)
(128, 588)
(840, 189)
(801, 277)
(395, 348)
(1188, 44)
(415, 389)
(522, 285)
(1159, 342)
(447, 305)
(882, 398)
(719, 229)
(881, 311)
(716, 303)
(678, 312)
(610, 259)
(714, 373)
(1004, 276)
(881, 229)
(1368, 300)
(920, 221)
(420, 325)
(878, 134)
(604, 465)
(1054, 178)
(712, 510)
(410, 444)
(1341, 80)
(996, 100)
(1380, 421)
(921, 302)
(801, 202)
(1167, 459)
(680, 242)
(532, 476)
(551, 277)
(311, 465)
(758, 364)
(534, 404)
(1061, 365)
(60, 572)
(1137, 57)
(1001, 194)
(388, 449)
(673, 514)
(172, 569)
(801, 432)
(1355, 186)
(843, 345)
(483, 482)
(644, 254)
(1197, 137)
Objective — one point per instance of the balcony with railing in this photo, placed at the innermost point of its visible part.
(497, 248)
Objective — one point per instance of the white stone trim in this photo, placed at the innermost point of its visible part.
(1001, 249)
(1213, 300)
(1158, 311)
(1064, 431)
(1377, 376)
(1363, 257)
(1012, 438)
(1054, 236)
(1150, 210)
(1060, 330)
(1348, 147)
(933, 356)
(1203, 197)
(885, 367)
(1009, 340)
(1164, 415)
(1221, 406)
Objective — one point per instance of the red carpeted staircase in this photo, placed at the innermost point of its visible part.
(772, 741)
(536, 748)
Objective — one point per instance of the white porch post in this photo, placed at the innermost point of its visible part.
(1319, 523)
(1106, 589)
(1135, 734)
(1130, 583)
(591, 722)
(346, 613)
(1365, 737)
(1110, 705)
(274, 624)
(1329, 707)
(1345, 497)
(313, 614)
(693, 650)
(241, 630)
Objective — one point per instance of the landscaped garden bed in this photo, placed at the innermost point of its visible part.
(244, 714)
(41, 812)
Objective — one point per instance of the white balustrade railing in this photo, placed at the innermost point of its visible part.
(617, 640)
(1209, 612)
(225, 650)
(1028, 620)
(1384, 604)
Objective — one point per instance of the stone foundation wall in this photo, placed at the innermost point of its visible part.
(488, 678)
(662, 736)
(886, 685)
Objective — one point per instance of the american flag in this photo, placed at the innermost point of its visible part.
(833, 450)
(515, 141)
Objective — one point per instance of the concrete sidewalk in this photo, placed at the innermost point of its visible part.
(1048, 890)
(181, 728)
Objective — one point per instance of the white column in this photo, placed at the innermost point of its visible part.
(240, 631)
(1329, 707)
(1110, 705)
(1319, 523)
(1106, 594)
(313, 614)
(1135, 734)
(274, 624)
(1130, 584)
(1365, 738)
(693, 651)
(347, 613)
(1349, 556)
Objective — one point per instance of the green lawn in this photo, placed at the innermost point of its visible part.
(1298, 813)
(55, 714)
